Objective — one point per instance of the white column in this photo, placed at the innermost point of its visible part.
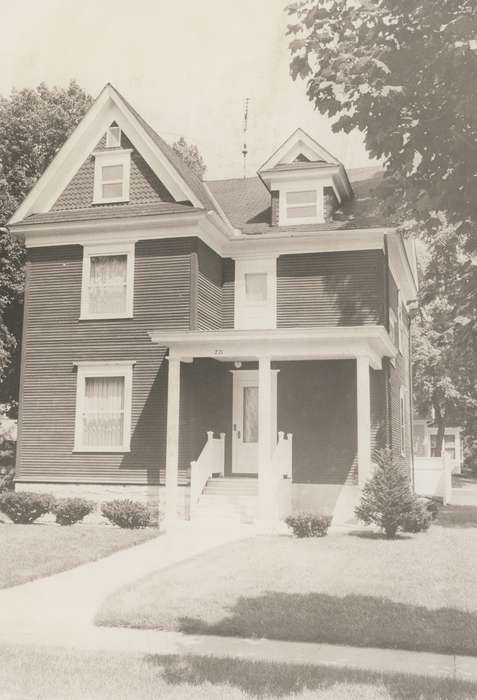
(363, 407)
(264, 437)
(172, 444)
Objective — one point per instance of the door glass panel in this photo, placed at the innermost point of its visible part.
(250, 414)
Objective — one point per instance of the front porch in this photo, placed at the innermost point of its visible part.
(296, 412)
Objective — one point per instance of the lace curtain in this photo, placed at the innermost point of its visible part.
(103, 417)
(108, 284)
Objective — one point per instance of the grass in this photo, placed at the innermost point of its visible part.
(417, 592)
(31, 551)
(28, 673)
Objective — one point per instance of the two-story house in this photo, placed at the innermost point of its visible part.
(270, 310)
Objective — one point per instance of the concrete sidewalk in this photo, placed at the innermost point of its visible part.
(73, 597)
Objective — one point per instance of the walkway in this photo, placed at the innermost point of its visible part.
(59, 612)
(72, 598)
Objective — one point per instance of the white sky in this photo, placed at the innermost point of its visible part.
(185, 66)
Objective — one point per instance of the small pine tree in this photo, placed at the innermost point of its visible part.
(387, 500)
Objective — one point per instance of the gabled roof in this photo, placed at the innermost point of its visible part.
(111, 106)
(247, 204)
(299, 142)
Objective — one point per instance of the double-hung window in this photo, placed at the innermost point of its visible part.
(108, 281)
(303, 205)
(111, 176)
(103, 407)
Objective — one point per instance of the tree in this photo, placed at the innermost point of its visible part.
(387, 500)
(34, 124)
(445, 351)
(403, 73)
(189, 153)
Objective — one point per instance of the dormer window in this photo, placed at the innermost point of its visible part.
(113, 137)
(111, 176)
(301, 205)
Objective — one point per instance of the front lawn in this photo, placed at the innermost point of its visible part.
(32, 551)
(28, 672)
(417, 592)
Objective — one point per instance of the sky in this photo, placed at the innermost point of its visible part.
(187, 67)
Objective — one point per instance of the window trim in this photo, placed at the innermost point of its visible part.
(302, 186)
(116, 156)
(90, 251)
(255, 314)
(85, 370)
(393, 327)
(402, 421)
(400, 322)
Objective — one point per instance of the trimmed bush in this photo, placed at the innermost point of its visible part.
(69, 511)
(127, 513)
(25, 507)
(308, 524)
(419, 519)
(387, 499)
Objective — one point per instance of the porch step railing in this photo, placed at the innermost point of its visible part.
(210, 461)
(281, 472)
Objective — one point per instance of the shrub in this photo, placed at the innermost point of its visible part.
(25, 507)
(387, 500)
(69, 511)
(126, 513)
(419, 519)
(308, 524)
(7, 475)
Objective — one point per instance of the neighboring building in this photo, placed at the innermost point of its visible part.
(159, 307)
(425, 443)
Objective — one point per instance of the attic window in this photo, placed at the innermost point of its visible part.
(301, 205)
(301, 158)
(113, 137)
(111, 176)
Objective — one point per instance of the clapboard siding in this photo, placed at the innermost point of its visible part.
(214, 293)
(55, 339)
(330, 289)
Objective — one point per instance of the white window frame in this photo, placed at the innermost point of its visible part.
(113, 142)
(112, 157)
(103, 369)
(402, 421)
(255, 314)
(301, 186)
(92, 251)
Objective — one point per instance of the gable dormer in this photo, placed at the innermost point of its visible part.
(306, 182)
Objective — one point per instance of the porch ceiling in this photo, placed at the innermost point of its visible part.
(279, 344)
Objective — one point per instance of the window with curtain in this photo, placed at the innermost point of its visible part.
(250, 414)
(107, 289)
(103, 412)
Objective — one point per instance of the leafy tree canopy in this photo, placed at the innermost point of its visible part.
(191, 156)
(34, 124)
(403, 73)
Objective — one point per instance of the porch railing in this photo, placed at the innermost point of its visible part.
(281, 470)
(210, 461)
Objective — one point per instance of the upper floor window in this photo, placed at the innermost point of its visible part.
(111, 176)
(103, 407)
(108, 281)
(113, 137)
(301, 205)
(256, 293)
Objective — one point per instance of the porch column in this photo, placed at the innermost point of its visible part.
(363, 406)
(264, 437)
(172, 442)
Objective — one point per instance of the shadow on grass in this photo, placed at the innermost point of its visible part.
(457, 516)
(260, 679)
(354, 620)
(370, 535)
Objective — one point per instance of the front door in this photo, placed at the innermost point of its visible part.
(245, 420)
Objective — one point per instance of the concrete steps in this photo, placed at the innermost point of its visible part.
(228, 499)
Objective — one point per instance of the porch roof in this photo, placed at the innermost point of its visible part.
(342, 342)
